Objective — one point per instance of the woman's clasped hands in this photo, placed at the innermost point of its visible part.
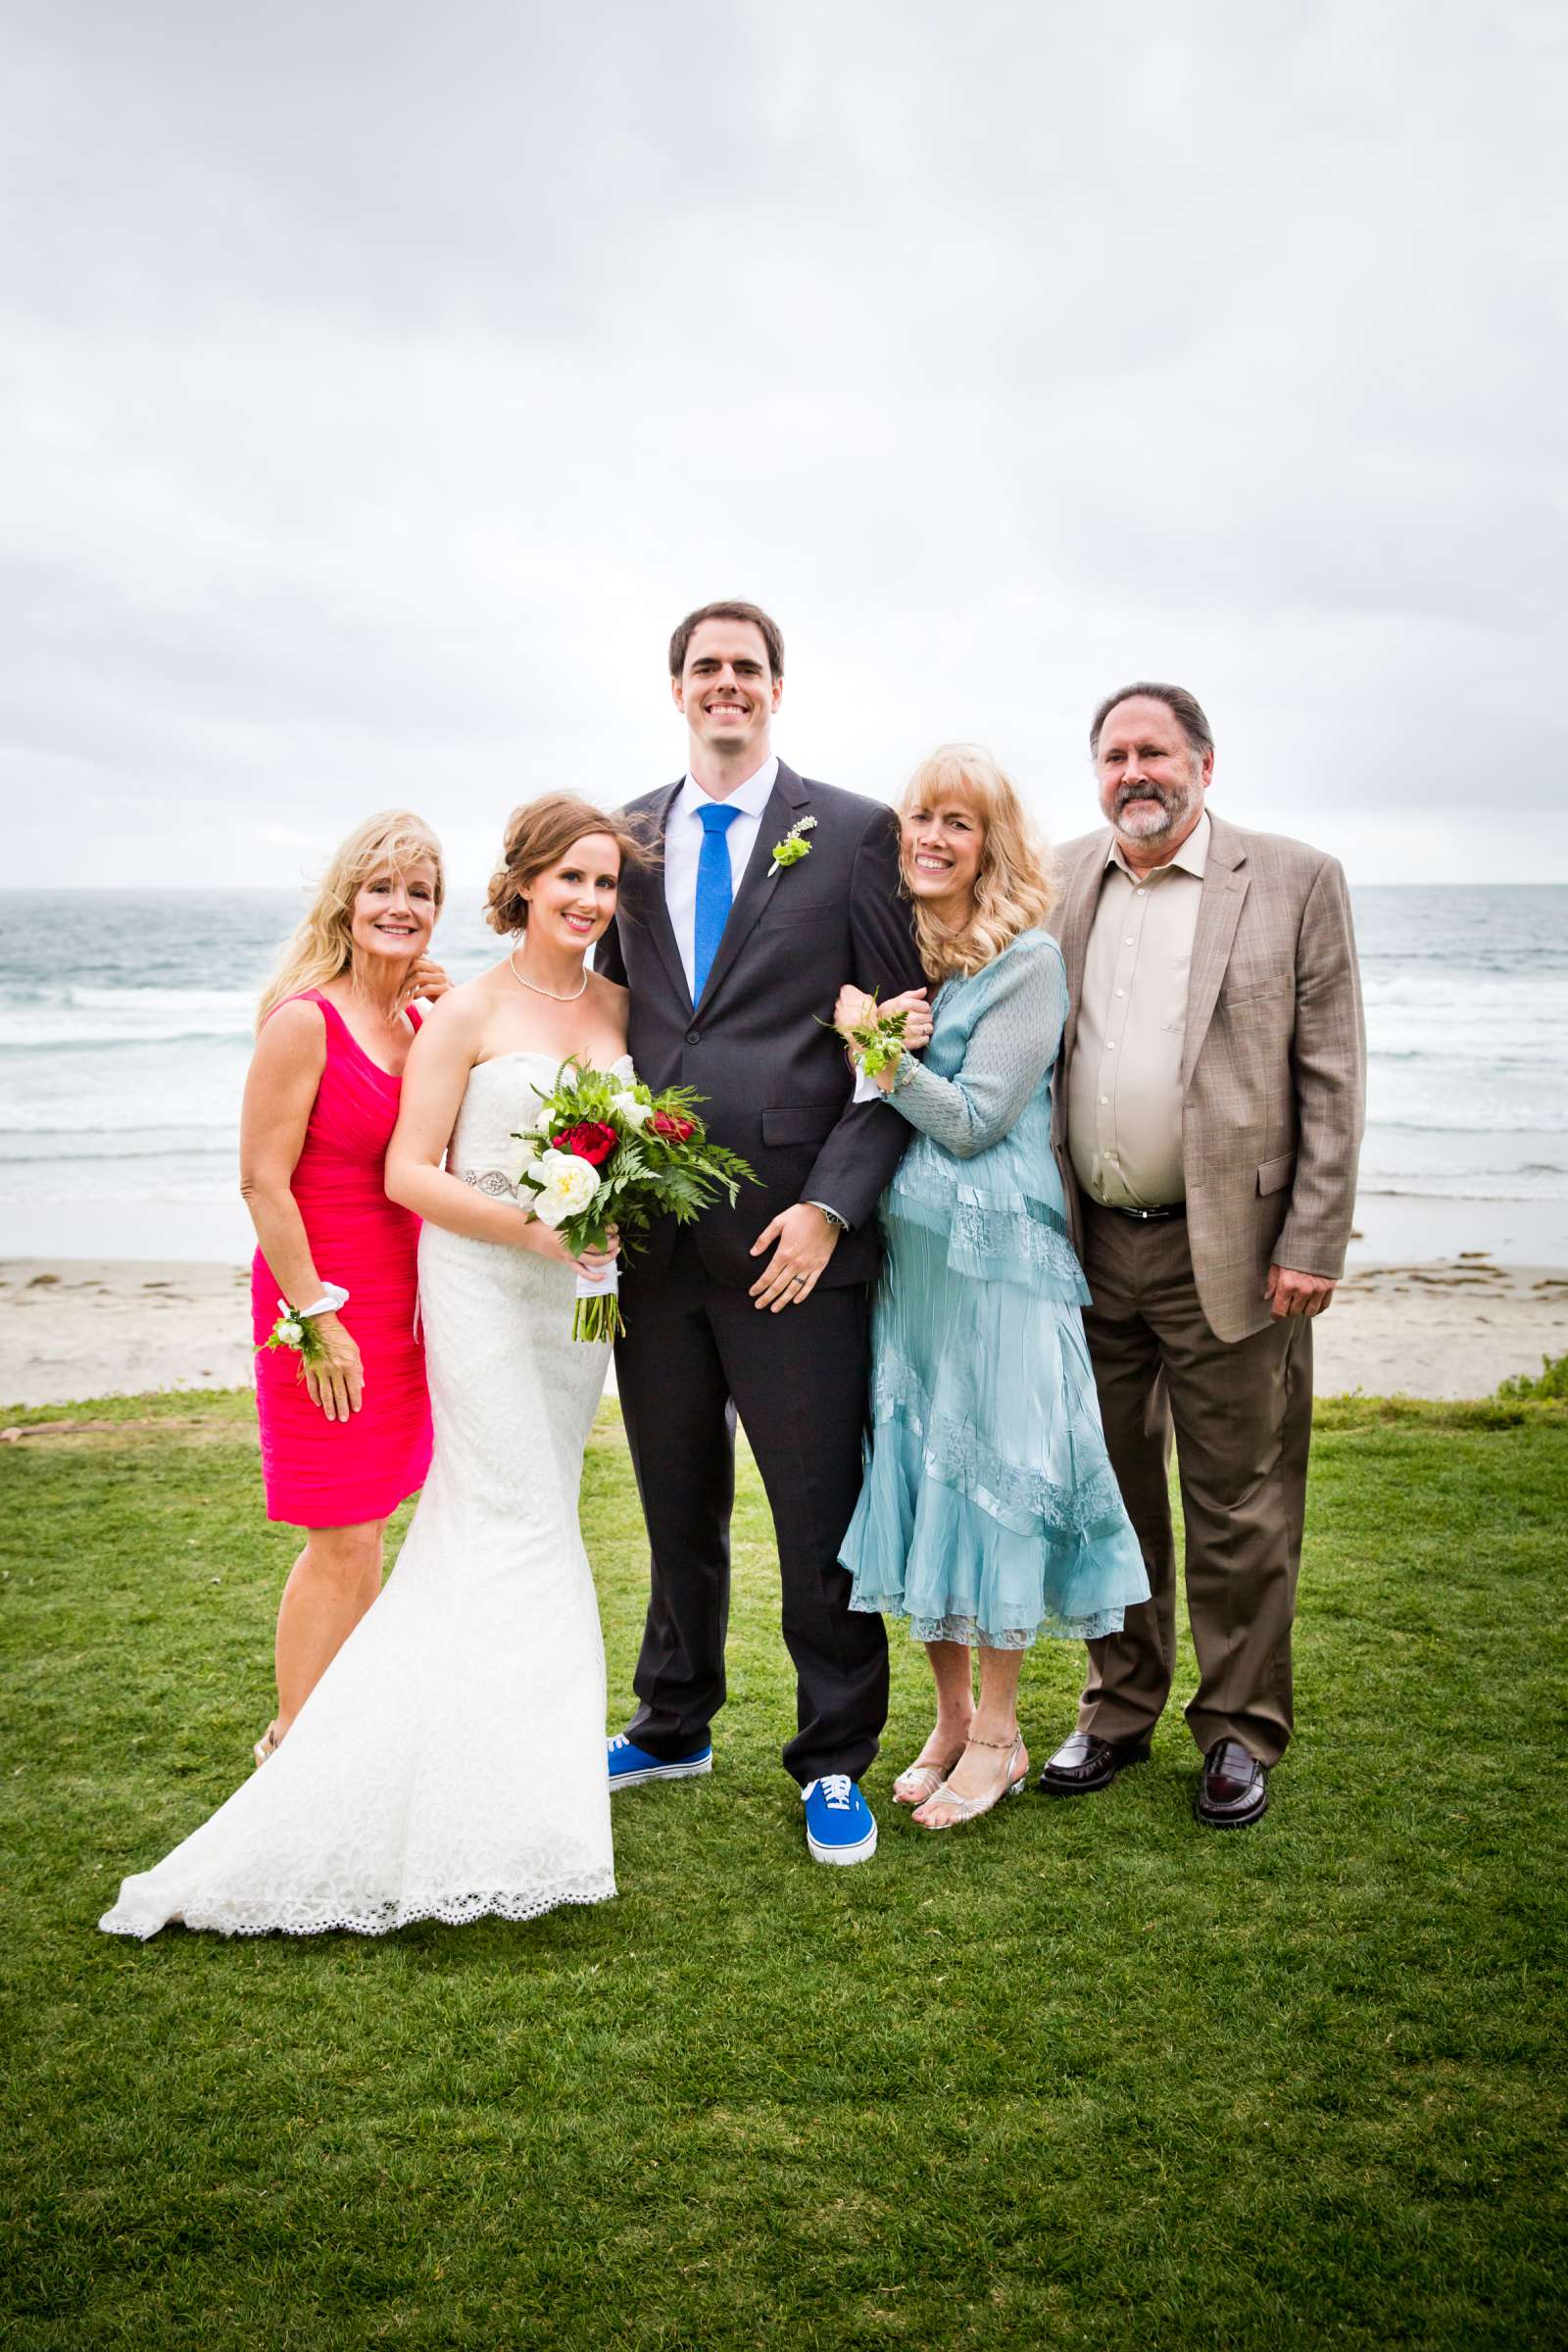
(856, 1008)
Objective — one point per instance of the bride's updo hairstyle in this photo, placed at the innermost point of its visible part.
(538, 836)
(323, 945)
(1015, 887)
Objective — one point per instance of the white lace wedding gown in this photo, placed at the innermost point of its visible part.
(449, 1763)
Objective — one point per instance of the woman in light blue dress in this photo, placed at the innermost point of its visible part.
(989, 1514)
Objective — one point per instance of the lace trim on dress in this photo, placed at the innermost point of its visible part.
(994, 1234)
(990, 1241)
(977, 1637)
(303, 1918)
(1022, 1499)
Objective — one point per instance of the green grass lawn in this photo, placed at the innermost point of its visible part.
(1084, 2075)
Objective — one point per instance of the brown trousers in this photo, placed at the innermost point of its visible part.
(1242, 1416)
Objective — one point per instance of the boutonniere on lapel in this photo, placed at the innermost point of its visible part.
(793, 847)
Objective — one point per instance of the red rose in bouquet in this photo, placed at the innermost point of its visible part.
(589, 1140)
(666, 1123)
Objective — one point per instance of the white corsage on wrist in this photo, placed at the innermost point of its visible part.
(296, 1331)
(296, 1327)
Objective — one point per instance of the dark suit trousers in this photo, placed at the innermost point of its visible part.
(695, 1353)
(1242, 1417)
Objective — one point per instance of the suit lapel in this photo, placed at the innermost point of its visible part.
(651, 906)
(785, 803)
(1219, 908)
(1081, 897)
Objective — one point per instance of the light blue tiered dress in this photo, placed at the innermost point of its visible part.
(989, 1512)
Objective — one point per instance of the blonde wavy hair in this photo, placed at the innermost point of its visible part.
(322, 946)
(1015, 888)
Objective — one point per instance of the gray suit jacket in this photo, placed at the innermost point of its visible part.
(1273, 1068)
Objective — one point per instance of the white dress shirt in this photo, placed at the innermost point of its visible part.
(683, 847)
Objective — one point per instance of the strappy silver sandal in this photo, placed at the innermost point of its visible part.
(917, 1782)
(268, 1744)
(971, 1808)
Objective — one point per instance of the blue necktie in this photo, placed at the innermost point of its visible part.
(714, 892)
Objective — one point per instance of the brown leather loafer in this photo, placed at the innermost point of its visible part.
(1082, 1764)
(1233, 1788)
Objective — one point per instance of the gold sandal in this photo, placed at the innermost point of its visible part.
(971, 1808)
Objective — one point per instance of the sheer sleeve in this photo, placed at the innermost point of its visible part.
(1011, 1046)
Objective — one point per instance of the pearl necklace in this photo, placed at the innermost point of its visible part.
(554, 994)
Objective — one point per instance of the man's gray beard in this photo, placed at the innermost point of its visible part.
(1173, 812)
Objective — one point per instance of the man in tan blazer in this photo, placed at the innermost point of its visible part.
(1208, 1119)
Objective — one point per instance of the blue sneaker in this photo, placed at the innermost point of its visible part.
(631, 1765)
(839, 1826)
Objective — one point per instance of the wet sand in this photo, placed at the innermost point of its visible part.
(78, 1328)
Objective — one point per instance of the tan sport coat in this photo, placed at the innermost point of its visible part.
(1273, 1068)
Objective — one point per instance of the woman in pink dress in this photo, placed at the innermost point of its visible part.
(346, 1440)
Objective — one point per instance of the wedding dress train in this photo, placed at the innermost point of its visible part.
(449, 1763)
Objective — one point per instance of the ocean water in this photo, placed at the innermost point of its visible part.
(125, 1028)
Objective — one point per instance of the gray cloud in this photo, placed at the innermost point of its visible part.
(381, 382)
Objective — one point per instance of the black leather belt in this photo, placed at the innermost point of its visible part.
(1145, 1216)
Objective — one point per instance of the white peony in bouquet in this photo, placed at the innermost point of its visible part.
(604, 1154)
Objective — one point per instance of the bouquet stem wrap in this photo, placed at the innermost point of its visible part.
(596, 1315)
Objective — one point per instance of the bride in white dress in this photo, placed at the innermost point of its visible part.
(449, 1763)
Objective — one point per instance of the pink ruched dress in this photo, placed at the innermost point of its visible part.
(321, 1473)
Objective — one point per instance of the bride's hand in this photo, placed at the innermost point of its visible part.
(594, 1261)
(547, 1241)
(337, 1386)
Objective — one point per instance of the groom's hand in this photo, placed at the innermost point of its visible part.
(805, 1240)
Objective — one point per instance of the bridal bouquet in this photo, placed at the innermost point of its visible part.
(607, 1151)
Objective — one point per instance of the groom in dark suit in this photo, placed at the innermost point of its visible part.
(766, 891)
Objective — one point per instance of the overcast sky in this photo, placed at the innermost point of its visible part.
(380, 381)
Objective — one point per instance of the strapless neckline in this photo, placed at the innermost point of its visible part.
(622, 1061)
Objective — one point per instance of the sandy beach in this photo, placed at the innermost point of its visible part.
(1448, 1327)
(77, 1328)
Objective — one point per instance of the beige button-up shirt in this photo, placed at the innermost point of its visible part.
(1124, 1088)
